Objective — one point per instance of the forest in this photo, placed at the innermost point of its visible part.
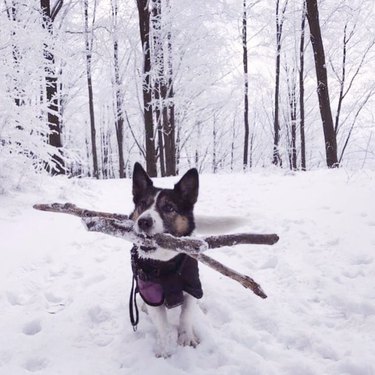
(89, 87)
(272, 101)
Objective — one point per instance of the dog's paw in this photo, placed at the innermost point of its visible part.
(163, 354)
(165, 345)
(186, 339)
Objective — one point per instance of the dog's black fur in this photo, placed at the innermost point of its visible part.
(168, 211)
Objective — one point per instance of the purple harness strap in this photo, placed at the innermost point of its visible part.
(151, 292)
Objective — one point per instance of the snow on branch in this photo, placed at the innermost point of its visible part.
(121, 226)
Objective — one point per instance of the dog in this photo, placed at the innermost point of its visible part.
(164, 278)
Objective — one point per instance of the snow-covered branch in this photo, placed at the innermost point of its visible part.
(119, 225)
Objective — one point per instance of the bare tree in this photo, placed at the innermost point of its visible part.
(302, 87)
(276, 159)
(119, 97)
(144, 28)
(364, 101)
(322, 83)
(343, 78)
(162, 68)
(89, 37)
(292, 149)
(52, 90)
(158, 90)
(214, 145)
(169, 107)
(246, 85)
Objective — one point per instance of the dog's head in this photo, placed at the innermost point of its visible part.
(164, 210)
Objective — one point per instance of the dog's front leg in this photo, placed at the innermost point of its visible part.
(158, 316)
(186, 335)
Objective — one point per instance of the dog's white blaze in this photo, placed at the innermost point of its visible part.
(157, 222)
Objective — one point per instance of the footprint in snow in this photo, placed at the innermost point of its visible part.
(35, 364)
(333, 242)
(98, 315)
(55, 303)
(53, 298)
(18, 299)
(362, 259)
(102, 325)
(32, 328)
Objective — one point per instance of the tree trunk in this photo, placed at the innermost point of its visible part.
(159, 126)
(159, 92)
(292, 151)
(52, 94)
(119, 116)
(276, 159)
(293, 117)
(232, 144)
(322, 83)
(144, 28)
(169, 118)
(214, 146)
(342, 80)
(302, 88)
(88, 48)
(163, 89)
(246, 86)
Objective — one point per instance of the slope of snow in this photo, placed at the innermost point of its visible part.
(64, 292)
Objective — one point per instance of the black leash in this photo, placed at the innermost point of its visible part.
(133, 305)
(133, 308)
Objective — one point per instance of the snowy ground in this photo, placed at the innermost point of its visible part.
(64, 291)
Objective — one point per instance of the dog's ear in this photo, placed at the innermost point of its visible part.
(188, 186)
(141, 182)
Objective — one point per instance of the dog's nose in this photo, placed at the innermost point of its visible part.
(145, 223)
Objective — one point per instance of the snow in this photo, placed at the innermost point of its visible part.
(64, 291)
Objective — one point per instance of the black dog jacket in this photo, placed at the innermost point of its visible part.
(162, 282)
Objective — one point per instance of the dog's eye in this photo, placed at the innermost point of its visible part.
(168, 208)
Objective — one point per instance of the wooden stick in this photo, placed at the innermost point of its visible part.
(119, 225)
(122, 226)
(72, 209)
(244, 280)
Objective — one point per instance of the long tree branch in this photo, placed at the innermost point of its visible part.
(119, 225)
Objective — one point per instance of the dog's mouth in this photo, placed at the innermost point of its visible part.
(147, 249)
